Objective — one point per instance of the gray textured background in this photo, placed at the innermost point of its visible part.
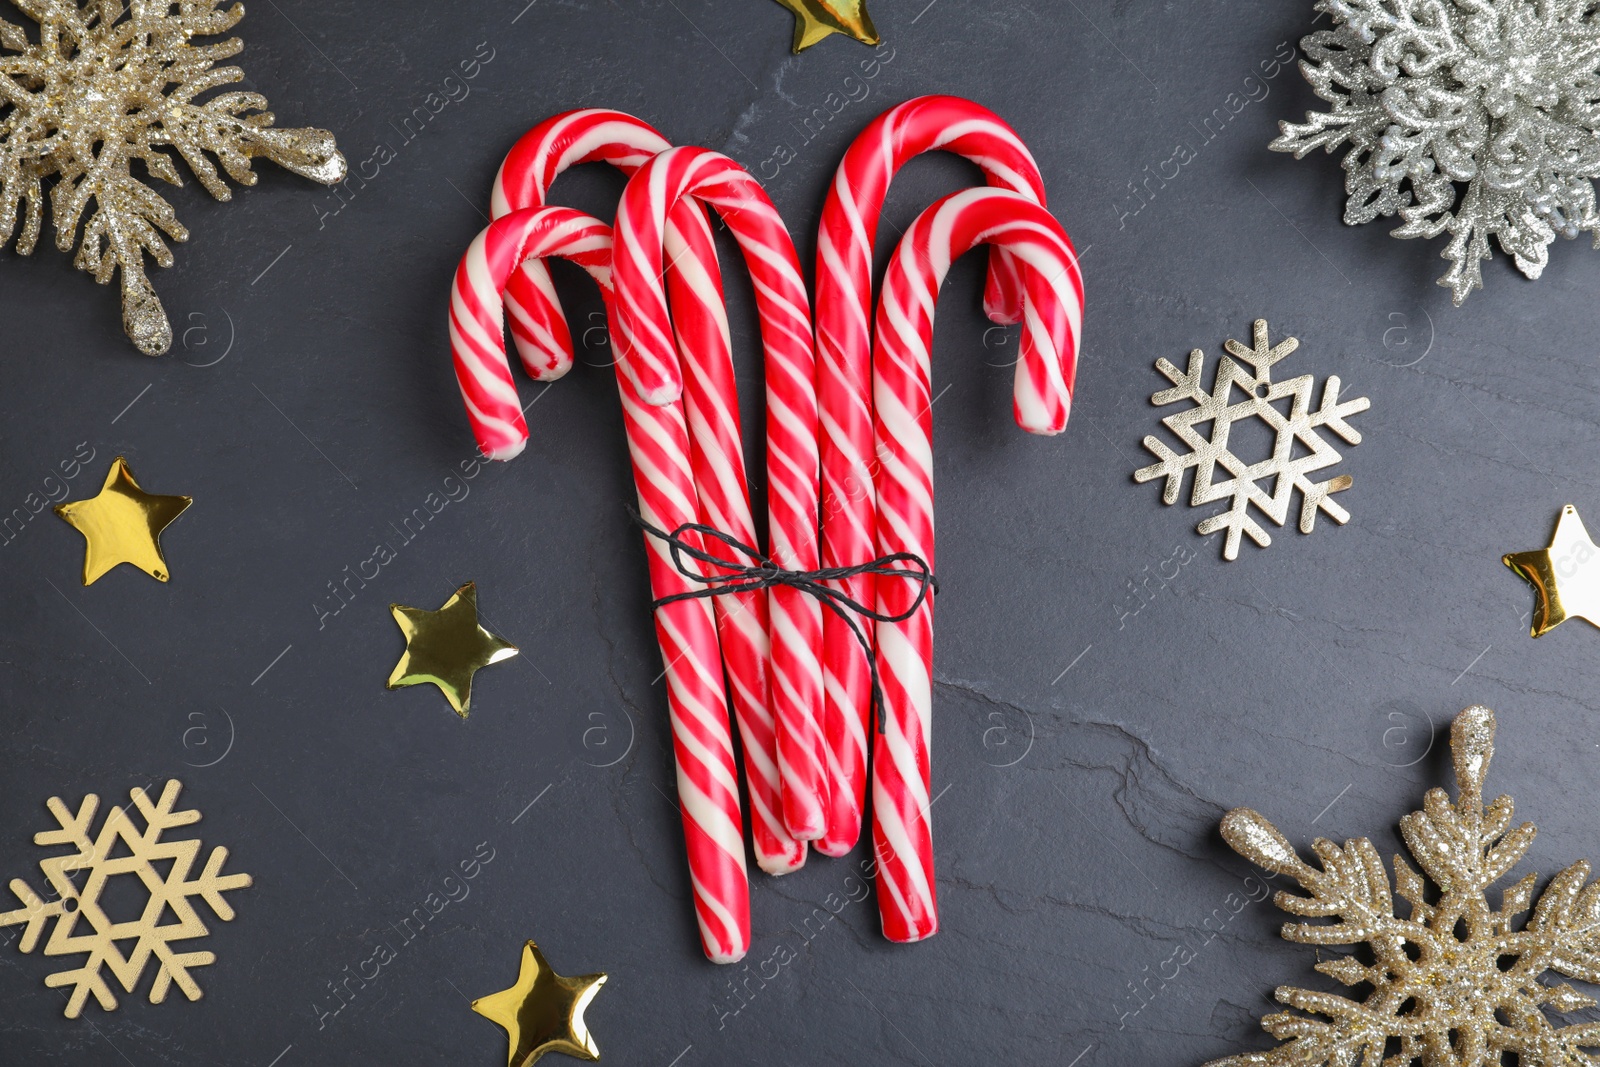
(308, 406)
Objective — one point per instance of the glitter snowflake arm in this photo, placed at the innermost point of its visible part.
(222, 126)
(127, 222)
(26, 138)
(1456, 982)
(110, 83)
(1350, 886)
(1357, 116)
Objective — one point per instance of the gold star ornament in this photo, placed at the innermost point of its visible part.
(447, 647)
(1565, 577)
(122, 524)
(543, 1012)
(816, 19)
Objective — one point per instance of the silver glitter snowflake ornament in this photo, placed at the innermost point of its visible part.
(1298, 449)
(1480, 117)
(108, 83)
(1456, 982)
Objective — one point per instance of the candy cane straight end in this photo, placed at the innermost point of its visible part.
(911, 937)
(806, 829)
(844, 827)
(780, 857)
(778, 866)
(835, 847)
(1054, 428)
(504, 452)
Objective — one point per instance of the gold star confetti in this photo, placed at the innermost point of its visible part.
(543, 1012)
(111, 83)
(122, 524)
(447, 647)
(1565, 576)
(816, 19)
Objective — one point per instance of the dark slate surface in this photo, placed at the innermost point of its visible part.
(309, 404)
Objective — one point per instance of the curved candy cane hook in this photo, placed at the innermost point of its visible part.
(903, 438)
(590, 135)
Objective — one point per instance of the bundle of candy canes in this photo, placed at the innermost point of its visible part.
(849, 461)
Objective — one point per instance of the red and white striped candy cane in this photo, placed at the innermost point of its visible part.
(711, 405)
(844, 351)
(649, 363)
(658, 442)
(903, 436)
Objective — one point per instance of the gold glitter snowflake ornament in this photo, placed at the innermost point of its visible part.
(1455, 983)
(109, 83)
(123, 948)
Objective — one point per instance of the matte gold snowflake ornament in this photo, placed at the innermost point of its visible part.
(169, 914)
(109, 83)
(1298, 448)
(1457, 982)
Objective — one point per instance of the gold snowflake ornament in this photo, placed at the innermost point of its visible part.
(109, 83)
(1298, 449)
(168, 916)
(1456, 982)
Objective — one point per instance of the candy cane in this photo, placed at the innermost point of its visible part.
(711, 404)
(844, 305)
(658, 443)
(649, 363)
(903, 436)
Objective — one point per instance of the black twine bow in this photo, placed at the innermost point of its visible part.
(764, 574)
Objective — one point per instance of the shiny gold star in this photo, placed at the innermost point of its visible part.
(447, 647)
(816, 19)
(122, 524)
(1565, 577)
(543, 1012)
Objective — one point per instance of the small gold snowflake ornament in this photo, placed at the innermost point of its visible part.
(110, 83)
(1456, 982)
(122, 949)
(1298, 449)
